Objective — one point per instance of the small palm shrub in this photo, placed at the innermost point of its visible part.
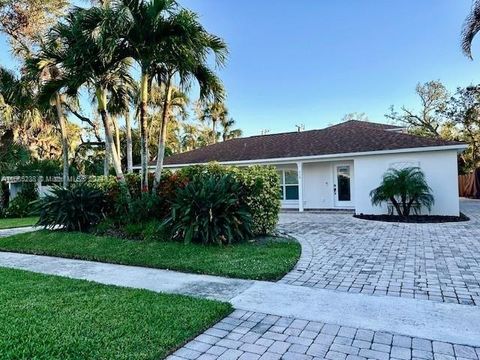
(209, 210)
(75, 209)
(406, 189)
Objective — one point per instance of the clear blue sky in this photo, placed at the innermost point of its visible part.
(313, 61)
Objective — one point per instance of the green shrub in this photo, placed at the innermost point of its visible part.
(75, 209)
(20, 205)
(209, 210)
(260, 186)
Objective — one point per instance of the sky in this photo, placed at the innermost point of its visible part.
(313, 61)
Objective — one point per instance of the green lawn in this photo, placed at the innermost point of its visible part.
(267, 260)
(50, 317)
(18, 222)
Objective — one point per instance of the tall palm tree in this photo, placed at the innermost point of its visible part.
(184, 59)
(122, 95)
(228, 130)
(144, 24)
(88, 59)
(471, 27)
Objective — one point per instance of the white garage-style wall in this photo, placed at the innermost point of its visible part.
(439, 167)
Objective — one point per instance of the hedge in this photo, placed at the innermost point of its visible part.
(260, 185)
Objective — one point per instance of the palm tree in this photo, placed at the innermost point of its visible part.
(20, 105)
(122, 95)
(228, 132)
(214, 113)
(88, 59)
(404, 188)
(471, 27)
(144, 26)
(169, 44)
(189, 137)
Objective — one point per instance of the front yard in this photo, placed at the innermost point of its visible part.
(49, 317)
(267, 259)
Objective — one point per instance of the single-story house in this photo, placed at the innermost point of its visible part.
(337, 167)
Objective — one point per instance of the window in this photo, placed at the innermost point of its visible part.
(288, 184)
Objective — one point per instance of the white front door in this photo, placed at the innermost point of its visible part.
(342, 185)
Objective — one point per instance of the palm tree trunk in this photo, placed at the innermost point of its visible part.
(129, 143)
(102, 102)
(106, 164)
(214, 130)
(144, 131)
(162, 137)
(116, 128)
(63, 132)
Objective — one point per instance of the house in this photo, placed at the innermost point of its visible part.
(337, 167)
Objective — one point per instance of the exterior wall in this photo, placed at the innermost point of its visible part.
(440, 168)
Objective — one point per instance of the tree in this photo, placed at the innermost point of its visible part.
(404, 188)
(355, 116)
(122, 96)
(471, 27)
(228, 130)
(33, 126)
(144, 27)
(25, 22)
(213, 113)
(429, 120)
(88, 59)
(464, 112)
(184, 56)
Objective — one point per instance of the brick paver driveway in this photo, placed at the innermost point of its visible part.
(439, 262)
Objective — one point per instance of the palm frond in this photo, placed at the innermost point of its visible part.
(471, 27)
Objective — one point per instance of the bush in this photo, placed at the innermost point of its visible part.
(75, 209)
(20, 205)
(209, 210)
(260, 186)
(406, 189)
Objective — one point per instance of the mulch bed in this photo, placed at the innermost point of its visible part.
(420, 219)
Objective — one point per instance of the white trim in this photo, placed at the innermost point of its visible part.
(337, 203)
(313, 158)
(300, 185)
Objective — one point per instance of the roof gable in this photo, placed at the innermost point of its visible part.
(344, 138)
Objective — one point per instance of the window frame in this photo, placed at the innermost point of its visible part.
(284, 185)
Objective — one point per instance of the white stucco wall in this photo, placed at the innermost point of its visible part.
(440, 168)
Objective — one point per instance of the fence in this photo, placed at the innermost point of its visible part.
(469, 185)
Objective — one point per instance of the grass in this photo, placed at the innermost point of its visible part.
(18, 222)
(49, 317)
(266, 260)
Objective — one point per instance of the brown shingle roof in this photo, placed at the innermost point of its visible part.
(348, 137)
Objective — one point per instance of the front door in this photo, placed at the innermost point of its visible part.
(342, 185)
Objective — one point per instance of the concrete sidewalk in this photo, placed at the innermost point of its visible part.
(20, 230)
(445, 322)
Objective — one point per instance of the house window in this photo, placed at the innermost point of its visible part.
(288, 184)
